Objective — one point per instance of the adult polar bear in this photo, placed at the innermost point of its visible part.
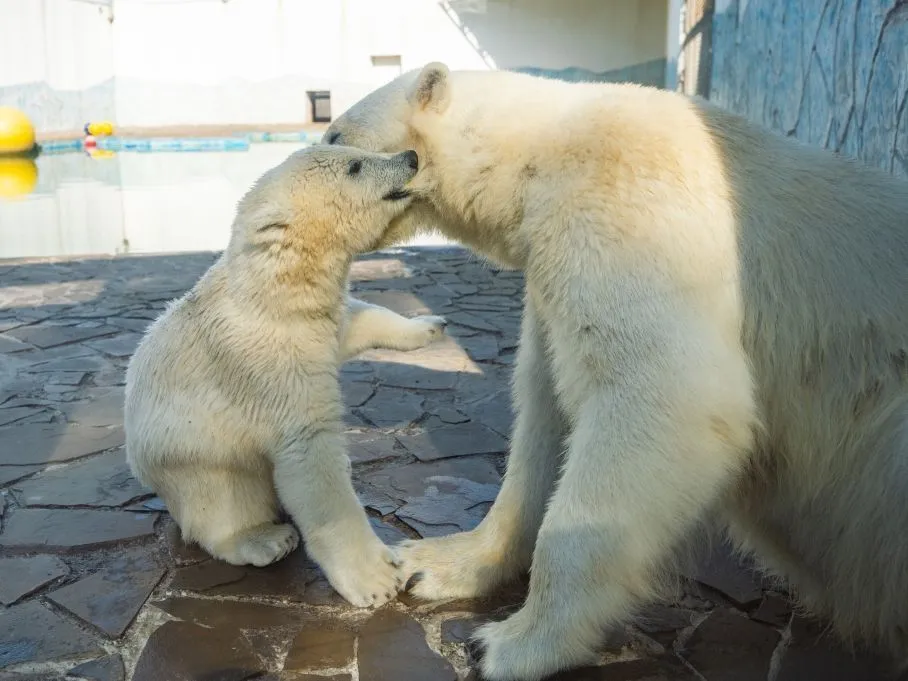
(721, 315)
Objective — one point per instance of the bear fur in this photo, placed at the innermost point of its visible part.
(720, 317)
(233, 405)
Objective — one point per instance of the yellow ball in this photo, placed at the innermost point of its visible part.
(16, 131)
(101, 128)
(18, 177)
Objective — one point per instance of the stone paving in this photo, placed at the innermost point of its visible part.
(95, 583)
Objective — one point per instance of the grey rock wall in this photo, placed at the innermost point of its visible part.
(829, 72)
(646, 73)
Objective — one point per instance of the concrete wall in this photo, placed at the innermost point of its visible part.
(830, 72)
(56, 61)
(159, 62)
(571, 39)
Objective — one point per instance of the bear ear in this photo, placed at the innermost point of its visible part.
(431, 89)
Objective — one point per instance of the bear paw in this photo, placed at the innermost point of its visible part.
(422, 331)
(365, 576)
(455, 566)
(259, 546)
(523, 648)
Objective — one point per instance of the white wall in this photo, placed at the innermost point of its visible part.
(595, 35)
(162, 62)
(56, 61)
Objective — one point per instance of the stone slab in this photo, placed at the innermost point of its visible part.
(64, 529)
(23, 576)
(9, 345)
(392, 647)
(463, 439)
(321, 645)
(725, 573)
(449, 505)
(815, 653)
(39, 443)
(391, 407)
(49, 336)
(228, 614)
(181, 651)
(110, 599)
(370, 447)
(286, 579)
(8, 416)
(727, 646)
(10, 474)
(104, 480)
(108, 668)
(31, 633)
(120, 347)
(98, 407)
(415, 479)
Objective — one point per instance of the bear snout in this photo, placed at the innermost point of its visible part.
(412, 159)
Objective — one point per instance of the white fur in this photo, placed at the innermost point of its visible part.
(373, 326)
(716, 319)
(233, 406)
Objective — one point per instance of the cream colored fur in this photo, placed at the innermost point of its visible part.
(720, 317)
(233, 407)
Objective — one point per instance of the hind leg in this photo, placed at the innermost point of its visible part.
(232, 514)
(748, 517)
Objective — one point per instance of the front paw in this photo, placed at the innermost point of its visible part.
(366, 575)
(518, 649)
(426, 329)
(447, 567)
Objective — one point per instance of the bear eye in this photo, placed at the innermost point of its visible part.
(355, 167)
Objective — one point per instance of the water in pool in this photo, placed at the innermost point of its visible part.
(134, 202)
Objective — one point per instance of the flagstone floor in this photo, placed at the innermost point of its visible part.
(96, 584)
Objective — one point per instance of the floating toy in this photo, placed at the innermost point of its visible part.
(16, 132)
(100, 153)
(89, 142)
(99, 129)
(18, 177)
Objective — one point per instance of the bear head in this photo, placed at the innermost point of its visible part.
(382, 120)
(325, 201)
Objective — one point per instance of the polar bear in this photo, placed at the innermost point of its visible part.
(715, 325)
(233, 392)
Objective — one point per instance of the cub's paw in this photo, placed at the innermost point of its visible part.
(259, 546)
(423, 330)
(434, 325)
(367, 576)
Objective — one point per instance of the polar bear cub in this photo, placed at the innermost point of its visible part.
(233, 406)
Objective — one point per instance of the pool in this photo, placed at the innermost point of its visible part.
(135, 202)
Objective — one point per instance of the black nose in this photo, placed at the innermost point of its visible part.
(412, 159)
